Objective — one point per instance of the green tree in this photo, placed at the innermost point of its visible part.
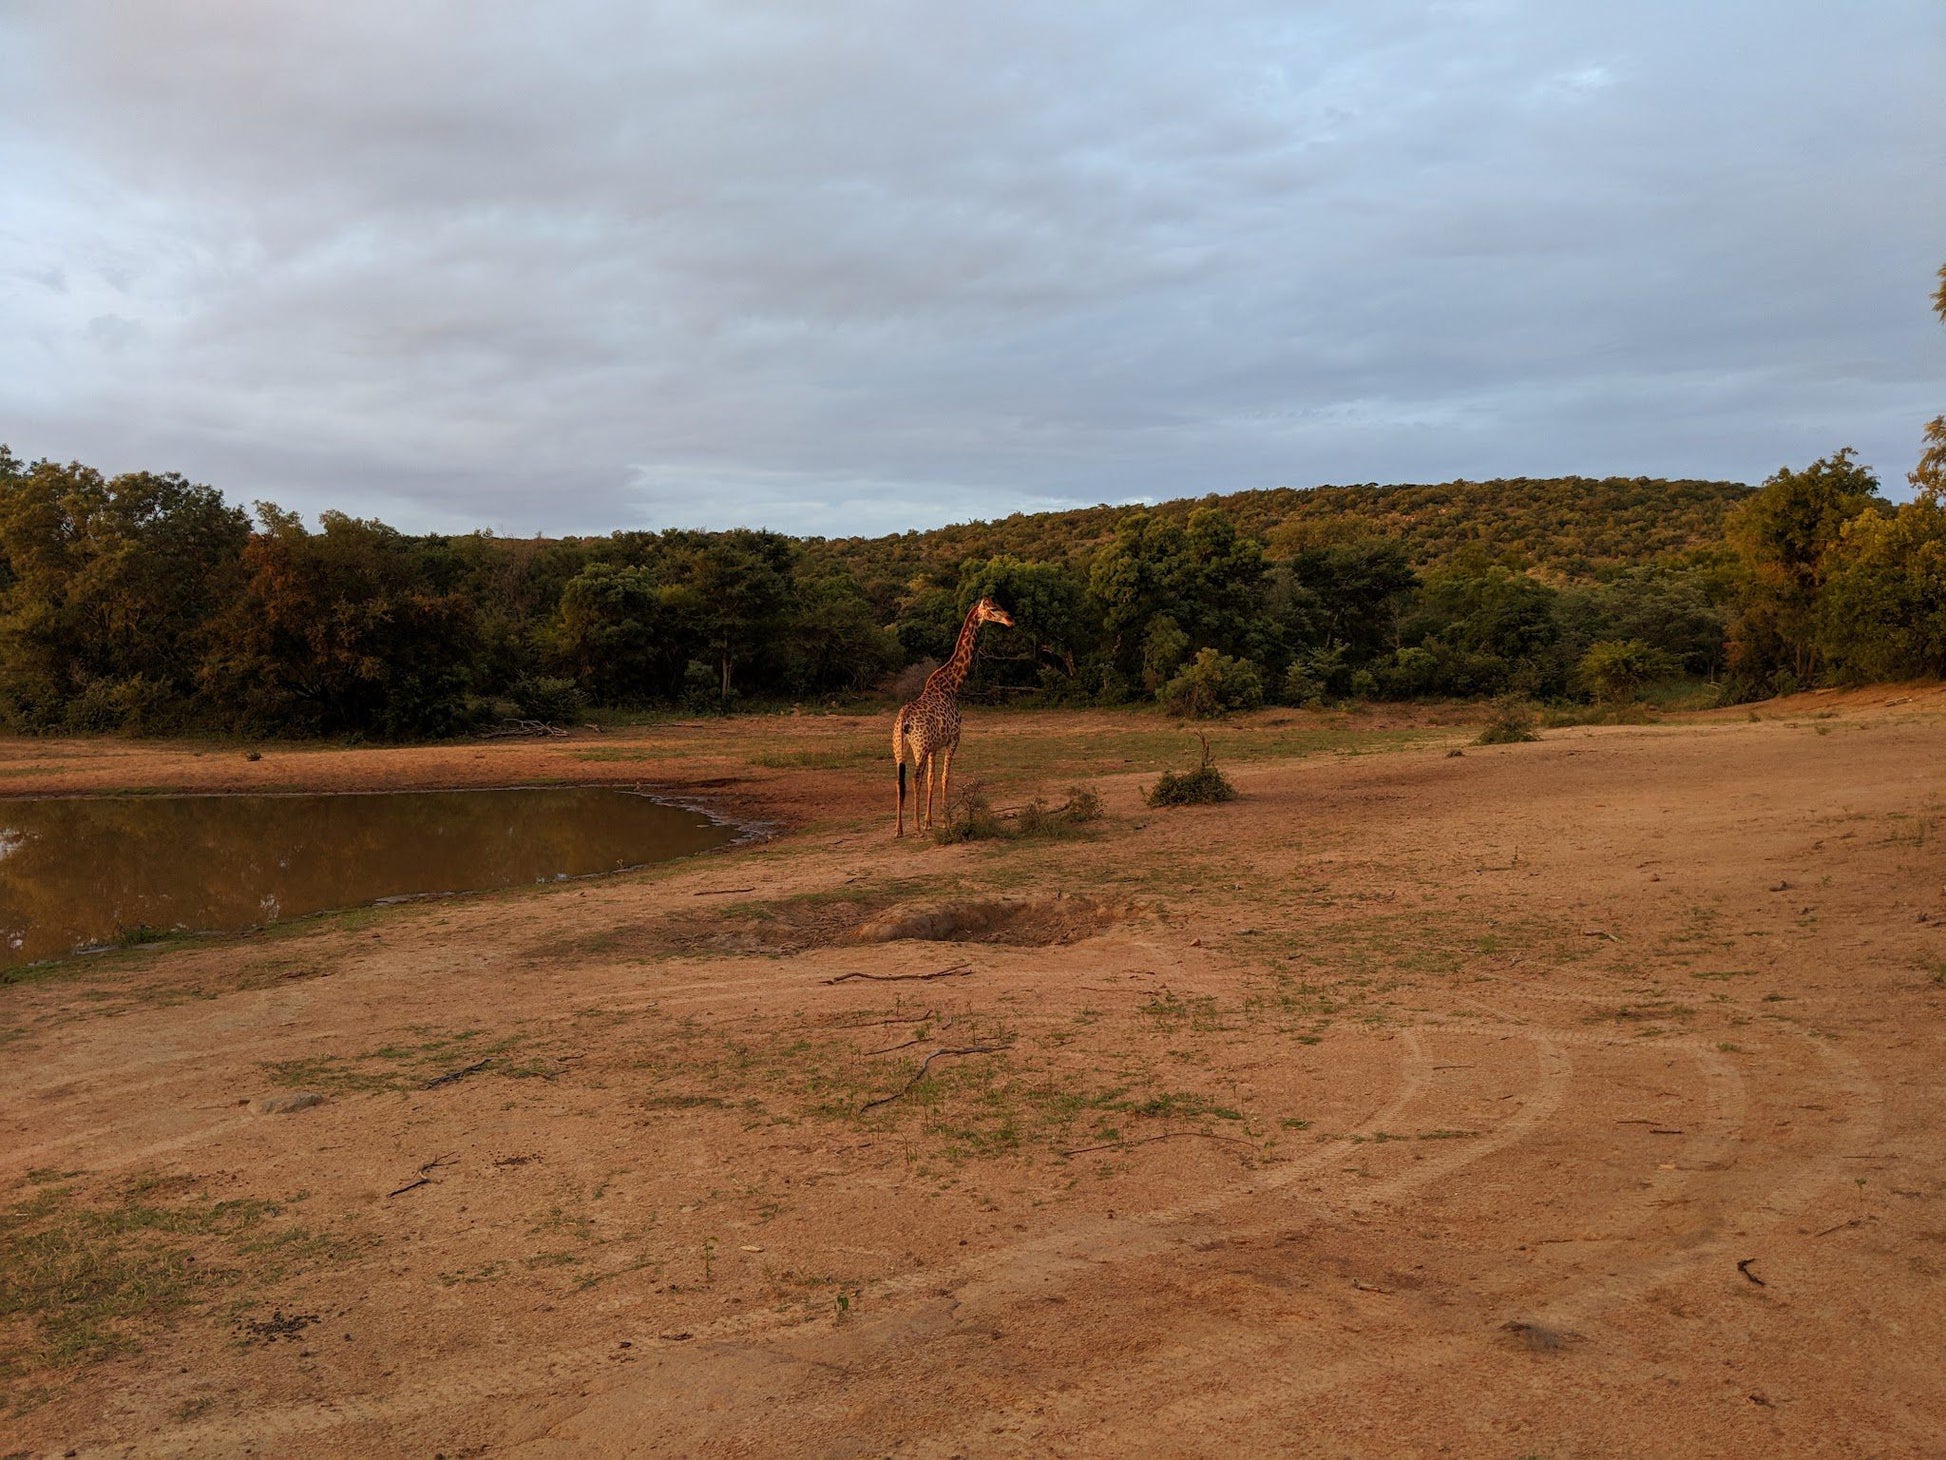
(624, 638)
(742, 581)
(1213, 684)
(1615, 670)
(1882, 614)
(840, 645)
(339, 632)
(1054, 626)
(1783, 538)
(1206, 576)
(108, 591)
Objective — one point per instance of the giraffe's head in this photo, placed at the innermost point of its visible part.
(986, 611)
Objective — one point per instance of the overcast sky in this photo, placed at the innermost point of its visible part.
(846, 267)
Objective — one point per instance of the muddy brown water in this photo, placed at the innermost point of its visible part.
(85, 871)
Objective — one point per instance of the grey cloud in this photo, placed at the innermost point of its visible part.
(861, 266)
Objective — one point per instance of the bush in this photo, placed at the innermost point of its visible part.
(971, 817)
(1204, 786)
(1614, 670)
(1511, 723)
(1036, 819)
(1213, 684)
(132, 706)
(543, 697)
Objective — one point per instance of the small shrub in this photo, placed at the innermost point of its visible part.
(1614, 671)
(971, 817)
(1213, 684)
(1511, 723)
(1036, 819)
(542, 697)
(133, 706)
(1204, 786)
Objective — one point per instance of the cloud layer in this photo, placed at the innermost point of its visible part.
(860, 266)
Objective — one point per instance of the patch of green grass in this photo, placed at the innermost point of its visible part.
(834, 758)
(84, 1281)
(400, 1066)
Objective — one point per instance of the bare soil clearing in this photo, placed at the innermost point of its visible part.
(1573, 1098)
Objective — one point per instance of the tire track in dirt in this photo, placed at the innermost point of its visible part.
(993, 1278)
(1242, 1354)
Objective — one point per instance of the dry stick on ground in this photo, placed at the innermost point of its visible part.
(1744, 1268)
(1838, 1227)
(1204, 1135)
(722, 891)
(856, 1024)
(452, 1075)
(925, 1065)
(958, 970)
(425, 1176)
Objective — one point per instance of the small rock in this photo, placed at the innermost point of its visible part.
(285, 1104)
(1456, 754)
(253, 755)
(1195, 942)
(1538, 1338)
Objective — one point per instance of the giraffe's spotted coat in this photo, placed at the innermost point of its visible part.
(926, 731)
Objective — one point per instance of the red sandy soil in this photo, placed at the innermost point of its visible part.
(1576, 1098)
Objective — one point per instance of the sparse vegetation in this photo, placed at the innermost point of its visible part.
(972, 817)
(1204, 786)
(1511, 723)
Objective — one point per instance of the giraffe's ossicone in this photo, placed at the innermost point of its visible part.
(926, 730)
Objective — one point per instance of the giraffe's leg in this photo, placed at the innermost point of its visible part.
(925, 769)
(901, 831)
(946, 781)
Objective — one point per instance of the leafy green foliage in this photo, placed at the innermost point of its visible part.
(1204, 786)
(972, 818)
(1511, 723)
(1783, 539)
(1214, 684)
(1615, 670)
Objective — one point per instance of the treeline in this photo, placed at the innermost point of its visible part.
(145, 603)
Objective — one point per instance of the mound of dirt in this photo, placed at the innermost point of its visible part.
(799, 924)
(1036, 922)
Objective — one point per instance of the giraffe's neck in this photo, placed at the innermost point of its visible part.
(952, 674)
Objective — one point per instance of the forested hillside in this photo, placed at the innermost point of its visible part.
(1571, 527)
(145, 603)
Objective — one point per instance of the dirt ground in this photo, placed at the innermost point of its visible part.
(1576, 1098)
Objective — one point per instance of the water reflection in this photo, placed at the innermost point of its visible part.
(81, 871)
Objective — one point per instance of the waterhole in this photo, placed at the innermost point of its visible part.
(81, 872)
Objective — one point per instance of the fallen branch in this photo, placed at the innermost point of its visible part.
(1744, 1268)
(1838, 1227)
(875, 1023)
(425, 1176)
(890, 1047)
(958, 970)
(1204, 1135)
(925, 1065)
(722, 891)
(512, 729)
(452, 1075)
(1600, 933)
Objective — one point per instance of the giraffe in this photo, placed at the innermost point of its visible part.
(927, 729)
